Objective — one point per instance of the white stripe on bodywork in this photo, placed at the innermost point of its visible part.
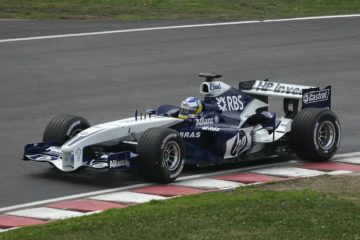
(250, 109)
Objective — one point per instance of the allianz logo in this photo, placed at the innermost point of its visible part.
(316, 96)
(119, 163)
(204, 121)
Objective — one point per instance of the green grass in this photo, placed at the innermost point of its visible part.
(247, 213)
(173, 9)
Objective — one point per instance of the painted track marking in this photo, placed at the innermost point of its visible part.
(111, 190)
(196, 176)
(81, 207)
(128, 197)
(45, 213)
(175, 27)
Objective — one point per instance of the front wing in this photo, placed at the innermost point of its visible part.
(51, 152)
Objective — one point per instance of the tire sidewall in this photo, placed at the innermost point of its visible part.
(75, 126)
(176, 172)
(326, 116)
(63, 127)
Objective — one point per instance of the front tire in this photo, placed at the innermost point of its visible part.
(315, 134)
(161, 155)
(63, 127)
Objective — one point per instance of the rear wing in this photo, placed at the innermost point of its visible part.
(311, 96)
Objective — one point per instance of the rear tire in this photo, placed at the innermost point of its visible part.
(63, 127)
(315, 134)
(161, 155)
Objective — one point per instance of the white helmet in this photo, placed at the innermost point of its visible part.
(190, 105)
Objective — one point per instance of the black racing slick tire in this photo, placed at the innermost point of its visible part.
(161, 155)
(63, 127)
(315, 134)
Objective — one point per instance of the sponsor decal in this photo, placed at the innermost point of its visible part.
(56, 150)
(238, 145)
(230, 103)
(90, 131)
(278, 88)
(97, 164)
(204, 121)
(215, 86)
(190, 134)
(213, 129)
(316, 96)
(119, 163)
(44, 158)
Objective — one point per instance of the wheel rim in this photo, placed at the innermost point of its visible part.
(171, 155)
(326, 135)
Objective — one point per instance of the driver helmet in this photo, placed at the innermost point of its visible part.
(190, 105)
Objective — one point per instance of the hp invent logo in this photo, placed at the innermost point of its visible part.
(239, 145)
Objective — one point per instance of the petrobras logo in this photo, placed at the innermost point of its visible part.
(119, 163)
(204, 121)
(279, 87)
(238, 145)
(316, 96)
(215, 86)
(230, 103)
(190, 134)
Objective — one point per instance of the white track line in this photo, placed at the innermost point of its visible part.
(196, 176)
(342, 155)
(175, 27)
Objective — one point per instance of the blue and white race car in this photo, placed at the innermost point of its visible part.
(228, 125)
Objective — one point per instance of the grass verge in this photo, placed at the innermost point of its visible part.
(263, 212)
(173, 9)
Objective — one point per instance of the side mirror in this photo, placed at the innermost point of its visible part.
(150, 111)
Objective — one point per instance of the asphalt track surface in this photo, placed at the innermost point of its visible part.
(107, 77)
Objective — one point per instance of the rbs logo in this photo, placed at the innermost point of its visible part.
(230, 103)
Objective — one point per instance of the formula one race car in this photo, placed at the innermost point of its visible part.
(228, 125)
